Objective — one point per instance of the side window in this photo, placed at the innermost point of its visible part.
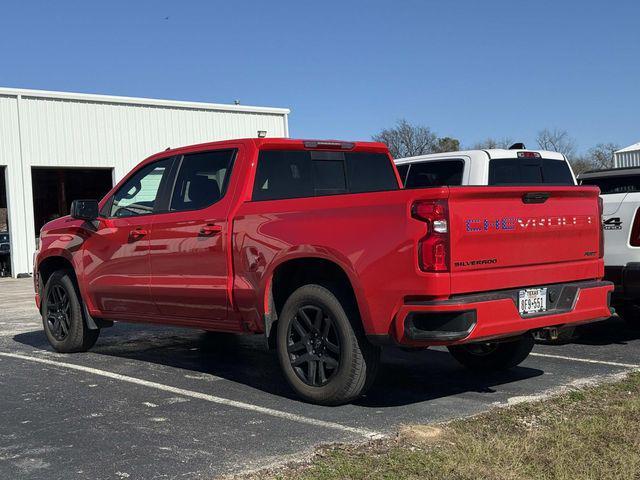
(435, 174)
(139, 194)
(202, 179)
(402, 170)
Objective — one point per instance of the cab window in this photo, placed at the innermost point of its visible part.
(139, 195)
(437, 173)
(516, 171)
(202, 180)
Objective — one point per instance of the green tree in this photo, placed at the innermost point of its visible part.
(447, 144)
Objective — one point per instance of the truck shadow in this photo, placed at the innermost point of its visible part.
(613, 331)
(404, 378)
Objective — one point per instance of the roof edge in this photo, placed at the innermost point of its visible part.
(99, 98)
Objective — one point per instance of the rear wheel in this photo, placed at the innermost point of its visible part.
(490, 356)
(324, 357)
(62, 317)
(630, 313)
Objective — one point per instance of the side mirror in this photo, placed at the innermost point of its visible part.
(84, 210)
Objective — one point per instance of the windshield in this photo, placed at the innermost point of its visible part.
(529, 171)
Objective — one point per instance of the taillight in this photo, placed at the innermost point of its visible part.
(433, 248)
(634, 241)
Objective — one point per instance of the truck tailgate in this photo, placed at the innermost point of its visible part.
(504, 237)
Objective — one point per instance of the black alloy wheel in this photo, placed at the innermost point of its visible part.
(313, 345)
(58, 312)
(62, 316)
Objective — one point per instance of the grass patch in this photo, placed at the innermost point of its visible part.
(591, 433)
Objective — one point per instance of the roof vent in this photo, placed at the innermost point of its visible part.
(517, 146)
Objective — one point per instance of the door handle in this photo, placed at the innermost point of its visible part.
(210, 229)
(535, 197)
(137, 234)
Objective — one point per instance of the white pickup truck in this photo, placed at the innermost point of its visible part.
(620, 192)
(513, 166)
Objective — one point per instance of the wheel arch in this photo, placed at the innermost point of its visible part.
(57, 262)
(292, 273)
(51, 264)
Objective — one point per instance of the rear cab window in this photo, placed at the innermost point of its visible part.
(529, 171)
(613, 185)
(437, 173)
(283, 174)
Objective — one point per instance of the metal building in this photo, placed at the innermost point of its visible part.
(56, 146)
(628, 156)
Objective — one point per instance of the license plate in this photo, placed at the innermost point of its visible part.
(532, 300)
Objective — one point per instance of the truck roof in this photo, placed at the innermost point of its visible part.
(481, 154)
(277, 142)
(272, 143)
(609, 172)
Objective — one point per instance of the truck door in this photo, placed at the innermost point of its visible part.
(188, 258)
(116, 254)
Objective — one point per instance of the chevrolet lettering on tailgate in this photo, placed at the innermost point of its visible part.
(515, 223)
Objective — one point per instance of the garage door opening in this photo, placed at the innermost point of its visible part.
(55, 188)
(5, 248)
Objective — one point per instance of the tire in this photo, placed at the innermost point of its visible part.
(630, 313)
(315, 328)
(62, 317)
(488, 357)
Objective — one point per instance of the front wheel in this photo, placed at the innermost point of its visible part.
(62, 317)
(322, 354)
(491, 356)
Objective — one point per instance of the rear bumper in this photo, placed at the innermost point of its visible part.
(494, 315)
(626, 279)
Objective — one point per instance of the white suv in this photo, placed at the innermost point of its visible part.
(620, 192)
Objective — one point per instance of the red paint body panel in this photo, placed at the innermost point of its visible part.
(219, 281)
(494, 318)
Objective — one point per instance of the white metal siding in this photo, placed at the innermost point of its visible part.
(55, 129)
(10, 158)
(627, 159)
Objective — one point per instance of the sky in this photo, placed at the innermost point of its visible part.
(347, 69)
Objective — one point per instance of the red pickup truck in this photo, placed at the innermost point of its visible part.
(316, 246)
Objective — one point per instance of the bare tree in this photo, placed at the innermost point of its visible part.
(558, 141)
(407, 140)
(601, 156)
(580, 163)
(489, 143)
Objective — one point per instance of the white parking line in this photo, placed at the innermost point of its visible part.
(586, 360)
(202, 396)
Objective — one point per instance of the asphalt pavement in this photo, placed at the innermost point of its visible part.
(153, 402)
